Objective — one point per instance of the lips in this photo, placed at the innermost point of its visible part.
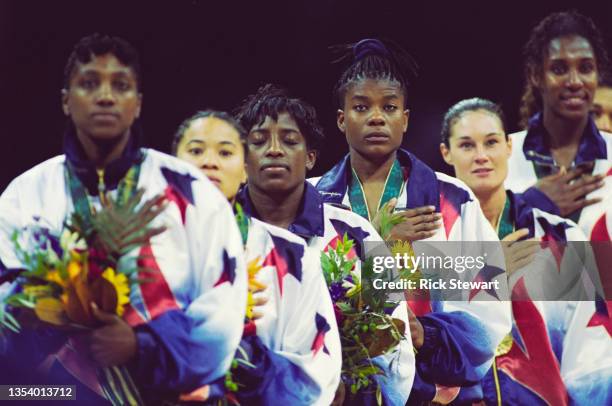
(574, 100)
(377, 137)
(105, 115)
(274, 167)
(482, 171)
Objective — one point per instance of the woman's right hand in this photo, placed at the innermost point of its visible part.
(519, 253)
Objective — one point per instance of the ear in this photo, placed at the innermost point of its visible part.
(340, 120)
(139, 105)
(311, 159)
(534, 79)
(509, 142)
(446, 154)
(244, 176)
(406, 119)
(65, 102)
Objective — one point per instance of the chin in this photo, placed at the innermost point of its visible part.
(378, 151)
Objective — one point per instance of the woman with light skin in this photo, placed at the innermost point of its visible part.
(296, 356)
(475, 143)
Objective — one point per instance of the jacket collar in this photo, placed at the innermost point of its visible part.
(592, 145)
(310, 219)
(333, 186)
(113, 172)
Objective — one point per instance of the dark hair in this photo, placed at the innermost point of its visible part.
(605, 80)
(465, 106)
(270, 101)
(99, 44)
(556, 25)
(221, 115)
(373, 59)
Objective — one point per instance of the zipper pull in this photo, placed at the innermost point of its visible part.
(101, 185)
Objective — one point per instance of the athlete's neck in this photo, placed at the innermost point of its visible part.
(492, 204)
(369, 170)
(279, 209)
(102, 153)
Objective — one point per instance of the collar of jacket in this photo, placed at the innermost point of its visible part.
(310, 219)
(113, 172)
(592, 145)
(522, 214)
(422, 185)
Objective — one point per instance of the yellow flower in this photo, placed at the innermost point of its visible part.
(253, 267)
(54, 276)
(122, 287)
(74, 269)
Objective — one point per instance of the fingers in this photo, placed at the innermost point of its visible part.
(418, 211)
(106, 318)
(517, 235)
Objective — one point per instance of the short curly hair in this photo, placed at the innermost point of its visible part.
(270, 101)
(556, 25)
(101, 44)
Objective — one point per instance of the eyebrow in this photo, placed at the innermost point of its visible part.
(467, 137)
(195, 142)
(387, 97)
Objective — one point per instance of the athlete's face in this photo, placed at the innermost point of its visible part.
(277, 155)
(214, 146)
(478, 151)
(569, 78)
(602, 108)
(102, 99)
(373, 118)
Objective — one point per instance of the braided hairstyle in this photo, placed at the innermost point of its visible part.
(556, 25)
(270, 101)
(373, 59)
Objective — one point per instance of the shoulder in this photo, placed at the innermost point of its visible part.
(313, 181)
(44, 179)
(517, 138)
(572, 231)
(186, 179)
(344, 220)
(455, 188)
(42, 172)
(274, 231)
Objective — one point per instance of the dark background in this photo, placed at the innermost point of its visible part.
(199, 54)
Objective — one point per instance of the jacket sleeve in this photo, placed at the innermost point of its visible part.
(461, 336)
(304, 368)
(536, 198)
(182, 350)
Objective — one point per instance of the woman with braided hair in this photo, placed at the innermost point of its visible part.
(455, 341)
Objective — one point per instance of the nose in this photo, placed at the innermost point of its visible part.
(376, 118)
(275, 149)
(210, 160)
(574, 81)
(105, 95)
(481, 155)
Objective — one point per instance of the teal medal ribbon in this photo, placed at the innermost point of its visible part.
(80, 199)
(393, 188)
(242, 219)
(506, 224)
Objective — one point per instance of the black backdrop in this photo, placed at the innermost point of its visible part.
(199, 54)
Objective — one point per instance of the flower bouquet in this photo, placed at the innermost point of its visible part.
(87, 264)
(366, 330)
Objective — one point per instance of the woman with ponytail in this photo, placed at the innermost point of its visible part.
(561, 160)
(455, 341)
